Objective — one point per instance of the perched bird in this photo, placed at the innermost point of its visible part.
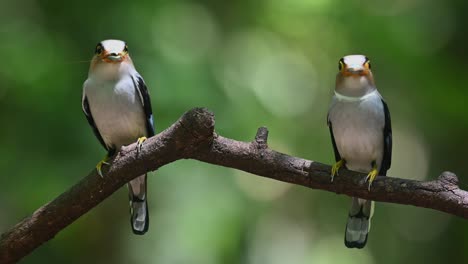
(361, 133)
(117, 105)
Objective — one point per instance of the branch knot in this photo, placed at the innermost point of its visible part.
(449, 178)
(261, 138)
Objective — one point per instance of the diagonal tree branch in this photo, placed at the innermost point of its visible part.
(193, 137)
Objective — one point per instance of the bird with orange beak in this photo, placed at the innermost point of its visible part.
(117, 105)
(361, 133)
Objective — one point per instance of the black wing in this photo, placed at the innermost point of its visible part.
(146, 102)
(335, 149)
(88, 115)
(387, 133)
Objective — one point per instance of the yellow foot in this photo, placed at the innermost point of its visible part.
(371, 176)
(101, 163)
(335, 168)
(140, 143)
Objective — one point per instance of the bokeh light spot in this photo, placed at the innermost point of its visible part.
(331, 250)
(278, 239)
(410, 157)
(260, 188)
(424, 30)
(419, 224)
(285, 84)
(283, 80)
(185, 33)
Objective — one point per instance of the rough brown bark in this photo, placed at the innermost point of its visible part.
(193, 137)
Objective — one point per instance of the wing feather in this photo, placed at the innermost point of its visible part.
(335, 149)
(89, 117)
(387, 137)
(146, 103)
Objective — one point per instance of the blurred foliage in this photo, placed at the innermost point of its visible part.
(253, 63)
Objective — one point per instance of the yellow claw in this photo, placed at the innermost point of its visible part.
(140, 143)
(101, 163)
(371, 176)
(335, 168)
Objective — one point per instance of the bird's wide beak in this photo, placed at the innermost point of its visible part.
(114, 57)
(355, 70)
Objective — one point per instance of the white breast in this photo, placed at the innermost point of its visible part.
(358, 131)
(117, 110)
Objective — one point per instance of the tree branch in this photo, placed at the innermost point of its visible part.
(193, 137)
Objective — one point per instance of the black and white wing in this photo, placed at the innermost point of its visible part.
(330, 127)
(335, 149)
(387, 137)
(146, 102)
(89, 117)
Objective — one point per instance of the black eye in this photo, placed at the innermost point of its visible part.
(99, 49)
(126, 48)
(367, 63)
(340, 64)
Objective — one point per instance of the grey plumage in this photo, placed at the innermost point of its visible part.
(117, 105)
(360, 128)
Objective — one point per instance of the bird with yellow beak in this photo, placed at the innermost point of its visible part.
(117, 105)
(361, 133)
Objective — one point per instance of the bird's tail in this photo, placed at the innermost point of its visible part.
(359, 223)
(139, 218)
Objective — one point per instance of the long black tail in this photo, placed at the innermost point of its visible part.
(139, 218)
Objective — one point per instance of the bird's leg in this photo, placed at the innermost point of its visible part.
(140, 143)
(101, 163)
(372, 174)
(336, 167)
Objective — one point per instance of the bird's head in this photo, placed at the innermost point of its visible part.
(354, 77)
(110, 59)
(111, 51)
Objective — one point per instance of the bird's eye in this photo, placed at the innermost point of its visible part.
(99, 49)
(126, 48)
(340, 64)
(367, 64)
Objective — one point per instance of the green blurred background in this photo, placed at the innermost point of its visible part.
(254, 63)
